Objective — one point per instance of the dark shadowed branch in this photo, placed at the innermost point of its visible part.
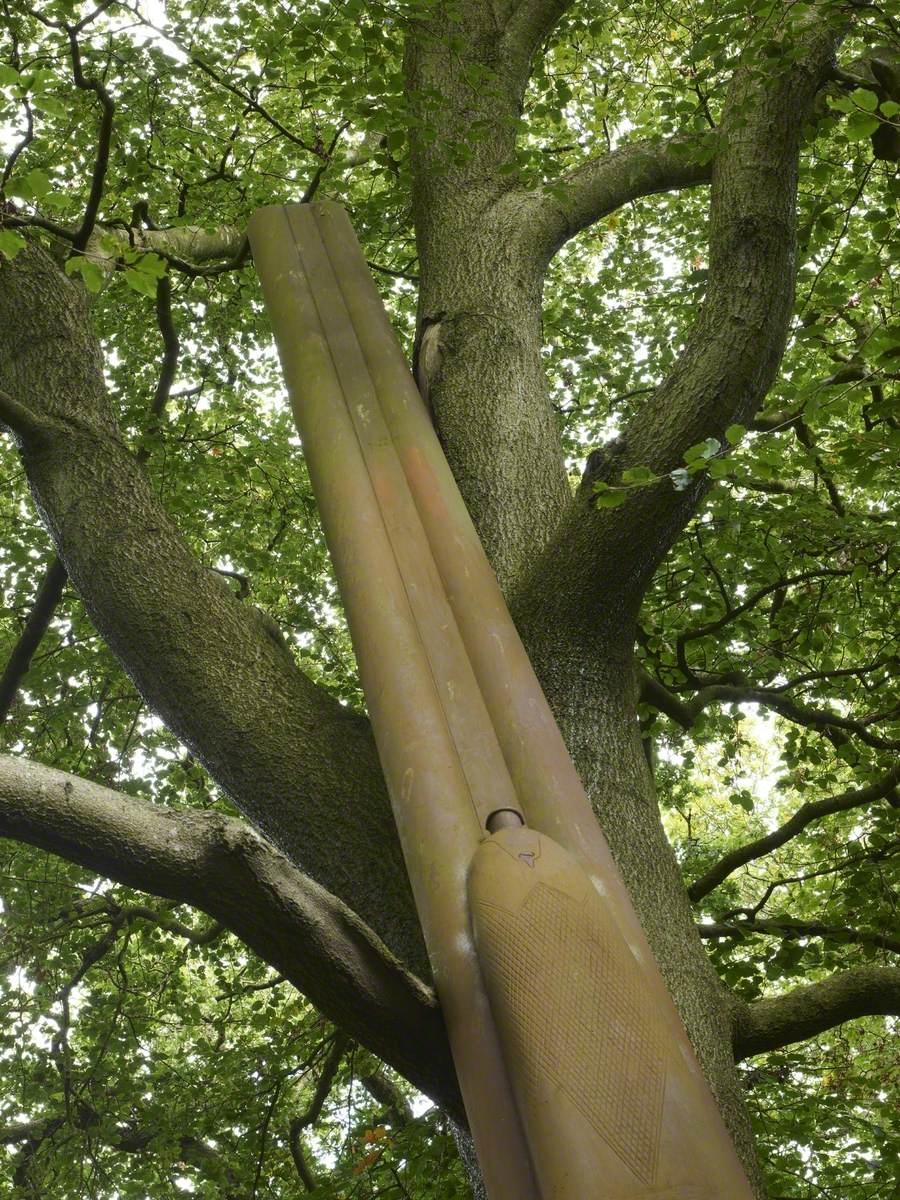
(383, 1089)
(171, 347)
(313, 1110)
(813, 810)
(686, 712)
(107, 113)
(785, 927)
(48, 596)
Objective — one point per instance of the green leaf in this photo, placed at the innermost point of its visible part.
(50, 104)
(865, 99)
(610, 499)
(91, 274)
(720, 468)
(141, 281)
(638, 475)
(38, 183)
(8, 75)
(11, 243)
(32, 186)
(735, 434)
(680, 479)
(702, 450)
(860, 125)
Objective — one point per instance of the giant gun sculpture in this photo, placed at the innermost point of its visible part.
(576, 1072)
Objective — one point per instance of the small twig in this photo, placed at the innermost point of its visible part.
(390, 271)
(254, 105)
(313, 186)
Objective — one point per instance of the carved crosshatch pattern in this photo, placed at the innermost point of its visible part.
(583, 1018)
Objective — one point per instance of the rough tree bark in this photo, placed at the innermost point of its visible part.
(302, 768)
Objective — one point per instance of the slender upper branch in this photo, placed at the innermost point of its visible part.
(104, 139)
(48, 596)
(802, 1013)
(171, 347)
(313, 1110)
(686, 712)
(811, 811)
(735, 610)
(254, 105)
(221, 866)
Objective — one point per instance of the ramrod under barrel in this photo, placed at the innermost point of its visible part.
(577, 1074)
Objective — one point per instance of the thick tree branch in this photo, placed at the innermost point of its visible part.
(48, 597)
(599, 187)
(813, 810)
(220, 865)
(302, 766)
(600, 562)
(383, 1089)
(528, 24)
(190, 249)
(19, 418)
(785, 927)
(806, 1011)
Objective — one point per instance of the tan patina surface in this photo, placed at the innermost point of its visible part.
(577, 1074)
